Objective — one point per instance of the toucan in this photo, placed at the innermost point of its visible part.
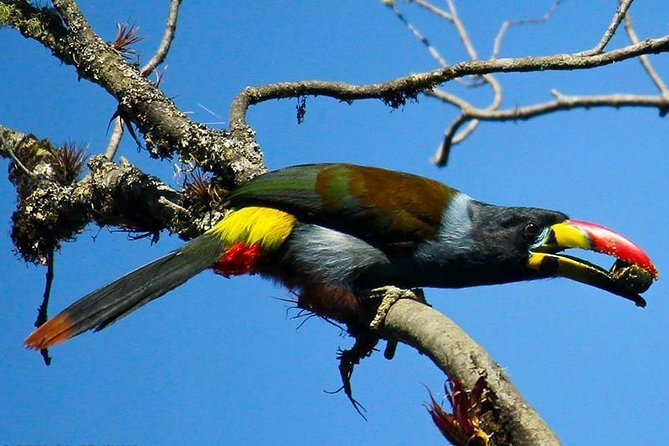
(331, 232)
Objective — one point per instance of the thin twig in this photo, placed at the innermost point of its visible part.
(18, 163)
(443, 15)
(497, 46)
(444, 151)
(496, 87)
(611, 30)
(433, 9)
(462, 31)
(166, 42)
(114, 139)
(418, 35)
(464, 133)
(645, 60)
(43, 310)
(561, 103)
(157, 59)
(565, 102)
(487, 78)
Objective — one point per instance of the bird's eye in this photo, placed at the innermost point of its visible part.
(532, 231)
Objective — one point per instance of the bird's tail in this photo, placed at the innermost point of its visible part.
(126, 294)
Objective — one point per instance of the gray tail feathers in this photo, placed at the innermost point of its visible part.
(110, 303)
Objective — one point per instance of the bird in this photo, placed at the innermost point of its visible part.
(331, 232)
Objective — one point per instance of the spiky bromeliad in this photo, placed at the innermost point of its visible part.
(331, 231)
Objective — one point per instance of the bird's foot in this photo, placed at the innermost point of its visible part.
(389, 295)
(348, 359)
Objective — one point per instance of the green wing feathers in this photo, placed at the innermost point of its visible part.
(381, 206)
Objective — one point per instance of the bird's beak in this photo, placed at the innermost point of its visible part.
(632, 273)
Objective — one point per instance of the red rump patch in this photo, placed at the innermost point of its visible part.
(238, 259)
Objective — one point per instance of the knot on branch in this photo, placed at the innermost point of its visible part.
(50, 214)
(124, 196)
(49, 207)
(407, 90)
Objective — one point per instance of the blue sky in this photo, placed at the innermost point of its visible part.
(223, 361)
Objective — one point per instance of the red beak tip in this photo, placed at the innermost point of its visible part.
(610, 242)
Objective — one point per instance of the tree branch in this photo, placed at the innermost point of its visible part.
(112, 194)
(397, 91)
(458, 355)
(152, 64)
(611, 29)
(497, 44)
(166, 41)
(645, 60)
(561, 103)
(234, 156)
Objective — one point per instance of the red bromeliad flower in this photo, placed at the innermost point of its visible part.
(463, 426)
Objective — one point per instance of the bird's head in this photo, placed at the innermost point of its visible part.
(526, 243)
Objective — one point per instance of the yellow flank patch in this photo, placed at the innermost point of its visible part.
(255, 225)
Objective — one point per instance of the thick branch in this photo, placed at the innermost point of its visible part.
(397, 91)
(118, 195)
(454, 352)
(236, 157)
(152, 64)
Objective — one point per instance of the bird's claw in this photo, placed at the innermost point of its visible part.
(389, 295)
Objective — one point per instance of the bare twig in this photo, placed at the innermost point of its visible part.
(17, 161)
(453, 17)
(444, 151)
(561, 103)
(611, 30)
(487, 78)
(497, 45)
(43, 310)
(645, 60)
(114, 139)
(462, 31)
(433, 9)
(564, 102)
(469, 115)
(418, 35)
(166, 42)
(413, 29)
(152, 64)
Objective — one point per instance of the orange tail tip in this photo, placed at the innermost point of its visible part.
(52, 332)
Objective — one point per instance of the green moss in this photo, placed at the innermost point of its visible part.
(5, 15)
(33, 27)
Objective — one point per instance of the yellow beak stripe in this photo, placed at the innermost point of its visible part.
(253, 225)
(569, 236)
(565, 267)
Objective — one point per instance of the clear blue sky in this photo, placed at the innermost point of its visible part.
(221, 361)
